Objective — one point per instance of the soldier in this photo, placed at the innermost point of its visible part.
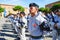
(55, 24)
(56, 30)
(23, 24)
(11, 17)
(15, 21)
(35, 20)
(18, 16)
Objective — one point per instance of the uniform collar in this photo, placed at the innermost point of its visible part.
(36, 13)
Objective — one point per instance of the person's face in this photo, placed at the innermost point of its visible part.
(33, 10)
(21, 15)
(15, 16)
(58, 13)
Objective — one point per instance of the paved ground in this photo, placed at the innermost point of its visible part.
(6, 30)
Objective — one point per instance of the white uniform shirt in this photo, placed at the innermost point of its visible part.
(34, 23)
(23, 19)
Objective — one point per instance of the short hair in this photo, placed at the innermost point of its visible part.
(22, 13)
(18, 13)
(58, 10)
(33, 4)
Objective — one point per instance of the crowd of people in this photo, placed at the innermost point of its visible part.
(37, 23)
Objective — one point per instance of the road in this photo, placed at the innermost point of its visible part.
(6, 30)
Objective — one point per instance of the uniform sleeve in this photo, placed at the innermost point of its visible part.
(51, 24)
(58, 25)
(25, 21)
(40, 19)
(14, 21)
(57, 21)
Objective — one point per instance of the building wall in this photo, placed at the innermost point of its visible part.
(26, 11)
(51, 4)
(9, 8)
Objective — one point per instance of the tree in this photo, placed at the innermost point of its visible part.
(46, 10)
(41, 9)
(54, 7)
(18, 8)
(1, 9)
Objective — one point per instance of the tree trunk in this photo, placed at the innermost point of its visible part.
(0, 15)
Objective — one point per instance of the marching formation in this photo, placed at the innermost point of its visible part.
(36, 23)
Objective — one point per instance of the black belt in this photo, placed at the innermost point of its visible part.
(36, 37)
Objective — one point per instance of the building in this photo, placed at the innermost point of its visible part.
(51, 4)
(9, 9)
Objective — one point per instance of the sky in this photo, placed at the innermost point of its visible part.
(25, 3)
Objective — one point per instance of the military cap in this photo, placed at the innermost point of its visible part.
(33, 4)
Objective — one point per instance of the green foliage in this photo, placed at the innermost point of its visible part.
(46, 10)
(18, 8)
(56, 6)
(1, 9)
(41, 9)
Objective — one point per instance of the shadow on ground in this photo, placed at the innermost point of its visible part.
(5, 29)
(2, 39)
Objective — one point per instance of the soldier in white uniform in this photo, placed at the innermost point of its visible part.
(35, 20)
(15, 21)
(23, 24)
